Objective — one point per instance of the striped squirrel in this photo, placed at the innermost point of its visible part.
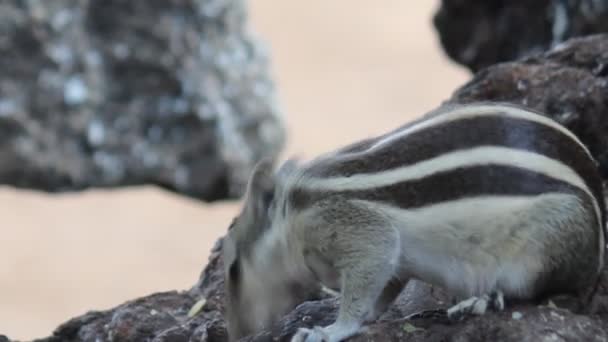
(486, 200)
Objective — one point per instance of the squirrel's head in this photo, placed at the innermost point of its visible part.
(259, 290)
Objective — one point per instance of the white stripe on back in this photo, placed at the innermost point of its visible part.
(483, 155)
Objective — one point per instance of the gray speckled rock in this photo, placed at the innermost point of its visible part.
(106, 93)
(479, 33)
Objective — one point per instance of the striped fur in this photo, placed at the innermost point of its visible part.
(476, 198)
(457, 152)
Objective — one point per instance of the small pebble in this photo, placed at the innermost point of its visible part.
(198, 306)
(516, 315)
(409, 328)
(522, 85)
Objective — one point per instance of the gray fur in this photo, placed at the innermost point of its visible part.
(373, 215)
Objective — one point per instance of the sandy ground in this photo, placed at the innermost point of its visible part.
(345, 70)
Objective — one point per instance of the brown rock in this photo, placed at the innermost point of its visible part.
(157, 317)
(415, 316)
(480, 33)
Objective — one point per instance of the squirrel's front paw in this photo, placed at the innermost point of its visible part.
(316, 334)
(477, 305)
(471, 306)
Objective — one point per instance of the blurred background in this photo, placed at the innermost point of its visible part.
(343, 70)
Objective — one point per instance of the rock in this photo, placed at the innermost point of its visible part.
(541, 324)
(155, 317)
(569, 83)
(160, 317)
(415, 316)
(117, 93)
(480, 33)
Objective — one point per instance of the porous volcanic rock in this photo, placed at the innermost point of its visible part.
(480, 33)
(107, 93)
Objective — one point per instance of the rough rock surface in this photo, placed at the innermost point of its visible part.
(157, 317)
(480, 33)
(112, 93)
(569, 81)
(414, 316)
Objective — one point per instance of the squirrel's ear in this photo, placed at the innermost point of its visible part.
(260, 190)
(262, 178)
(288, 167)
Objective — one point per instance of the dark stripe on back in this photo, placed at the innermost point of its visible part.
(447, 186)
(495, 130)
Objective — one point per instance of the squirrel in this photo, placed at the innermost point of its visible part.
(489, 201)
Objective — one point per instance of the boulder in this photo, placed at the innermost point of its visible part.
(173, 316)
(480, 33)
(117, 93)
(417, 315)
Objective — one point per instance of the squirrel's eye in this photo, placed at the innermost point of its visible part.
(267, 198)
(234, 271)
